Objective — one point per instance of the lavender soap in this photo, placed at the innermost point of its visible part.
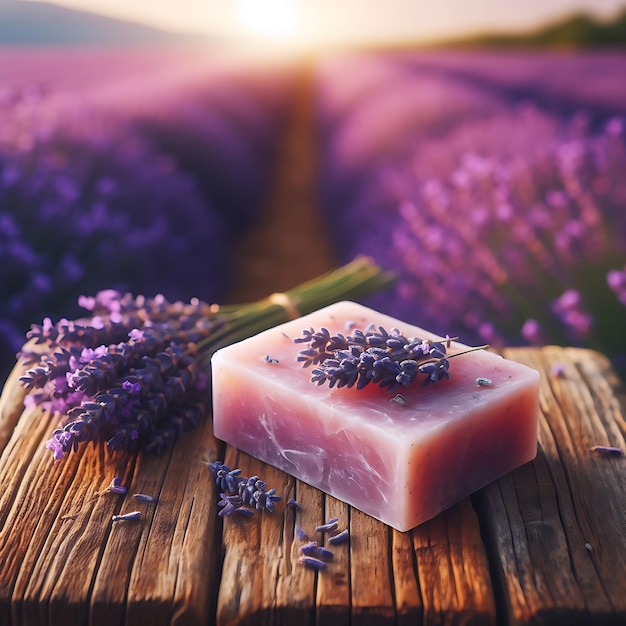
(400, 455)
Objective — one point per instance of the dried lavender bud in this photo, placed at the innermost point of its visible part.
(312, 562)
(307, 547)
(226, 479)
(142, 497)
(608, 450)
(246, 492)
(385, 358)
(127, 517)
(484, 382)
(301, 534)
(265, 499)
(341, 537)
(319, 552)
(116, 486)
(228, 504)
(247, 489)
(399, 399)
(330, 526)
(270, 360)
(292, 503)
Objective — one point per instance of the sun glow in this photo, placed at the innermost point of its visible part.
(277, 20)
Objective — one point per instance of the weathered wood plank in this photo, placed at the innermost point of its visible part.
(556, 526)
(453, 569)
(370, 570)
(333, 586)
(256, 551)
(64, 561)
(376, 578)
(407, 593)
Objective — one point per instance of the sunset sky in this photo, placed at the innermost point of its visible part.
(343, 20)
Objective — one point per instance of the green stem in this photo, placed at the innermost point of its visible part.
(353, 281)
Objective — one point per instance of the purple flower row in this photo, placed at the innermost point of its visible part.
(137, 185)
(503, 227)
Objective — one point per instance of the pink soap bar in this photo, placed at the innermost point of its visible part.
(400, 464)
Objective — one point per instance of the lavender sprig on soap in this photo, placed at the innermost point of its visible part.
(386, 358)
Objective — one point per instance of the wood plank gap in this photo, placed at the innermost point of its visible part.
(408, 594)
(392, 577)
(334, 583)
(299, 587)
(503, 613)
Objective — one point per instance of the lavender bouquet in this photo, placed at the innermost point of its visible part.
(135, 372)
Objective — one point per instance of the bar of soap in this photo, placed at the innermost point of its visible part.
(401, 464)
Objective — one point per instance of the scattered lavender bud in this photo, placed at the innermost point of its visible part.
(484, 382)
(301, 534)
(399, 399)
(245, 492)
(292, 503)
(312, 562)
(558, 370)
(319, 552)
(243, 511)
(608, 450)
(270, 360)
(589, 547)
(341, 537)
(329, 527)
(142, 497)
(116, 486)
(308, 547)
(127, 517)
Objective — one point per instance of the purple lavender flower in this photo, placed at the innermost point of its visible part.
(240, 491)
(129, 380)
(385, 358)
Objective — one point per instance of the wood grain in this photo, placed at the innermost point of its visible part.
(556, 526)
(65, 561)
(543, 545)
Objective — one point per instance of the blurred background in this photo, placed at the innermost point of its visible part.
(228, 149)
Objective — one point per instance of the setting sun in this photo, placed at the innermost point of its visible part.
(275, 19)
(270, 19)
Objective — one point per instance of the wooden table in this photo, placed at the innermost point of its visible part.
(546, 544)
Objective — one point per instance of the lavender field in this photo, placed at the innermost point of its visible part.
(493, 184)
(129, 170)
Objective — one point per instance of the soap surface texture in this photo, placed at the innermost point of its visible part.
(401, 462)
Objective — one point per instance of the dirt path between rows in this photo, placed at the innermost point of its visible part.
(290, 244)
